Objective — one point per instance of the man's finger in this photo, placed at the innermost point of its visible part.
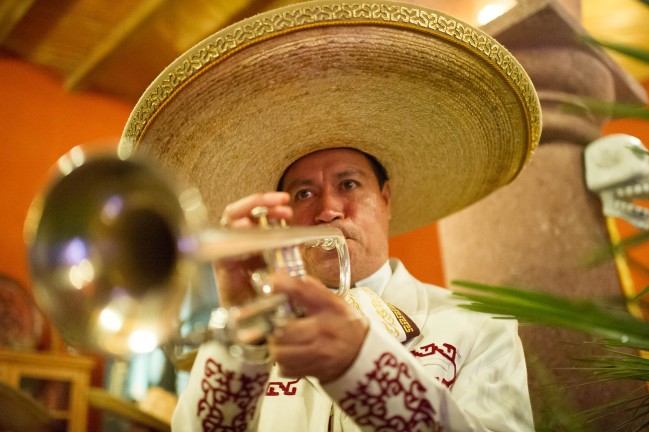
(295, 332)
(306, 293)
(276, 202)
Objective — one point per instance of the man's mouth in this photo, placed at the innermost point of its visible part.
(344, 232)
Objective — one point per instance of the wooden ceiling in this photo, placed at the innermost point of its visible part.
(120, 46)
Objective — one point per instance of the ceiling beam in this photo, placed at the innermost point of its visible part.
(136, 19)
(11, 12)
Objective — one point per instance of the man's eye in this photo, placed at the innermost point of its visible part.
(303, 194)
(349, 184)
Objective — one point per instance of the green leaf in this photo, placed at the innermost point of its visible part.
(583, 105)
(645, 290)
(555, 407)
(617, 366)
(614, 327)
(629, 410)
(627, 50)
(608, 252)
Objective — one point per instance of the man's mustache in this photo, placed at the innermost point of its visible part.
(348, 232)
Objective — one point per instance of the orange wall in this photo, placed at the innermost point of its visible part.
(419, 250)
(40, 121)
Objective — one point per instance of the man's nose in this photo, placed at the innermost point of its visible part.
(331, 208)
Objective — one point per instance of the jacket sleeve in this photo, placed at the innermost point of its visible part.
(223, 391)
(386, 388)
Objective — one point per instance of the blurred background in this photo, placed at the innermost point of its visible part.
(71, 71)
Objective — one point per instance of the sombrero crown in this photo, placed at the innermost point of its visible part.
(444, 107)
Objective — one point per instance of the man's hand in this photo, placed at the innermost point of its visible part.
(239, 213)
(233, 274)
(326, 341)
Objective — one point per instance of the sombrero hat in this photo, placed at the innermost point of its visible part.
(444, 107)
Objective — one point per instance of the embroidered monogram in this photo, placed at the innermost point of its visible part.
(390, 398)
(222, 391)
(448, 356)
(409, 327)
(404, 322)
(288, 388)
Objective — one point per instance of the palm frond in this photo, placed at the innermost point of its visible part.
(617, 365)
(632, 410)
(614, 110)
(556, 411)
(627, 50)
(644, 291)
(615, 328)
(608, 252)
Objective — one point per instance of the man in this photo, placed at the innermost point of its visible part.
(326, 101)
(377, 382)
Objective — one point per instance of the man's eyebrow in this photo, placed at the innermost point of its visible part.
(302, 182)
(298, 183)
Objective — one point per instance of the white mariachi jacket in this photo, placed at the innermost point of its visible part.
(464, 372)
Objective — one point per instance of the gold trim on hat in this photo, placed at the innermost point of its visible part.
(318, 14)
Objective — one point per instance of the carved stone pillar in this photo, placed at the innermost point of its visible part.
(539, 231)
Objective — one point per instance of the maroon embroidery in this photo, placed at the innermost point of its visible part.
(450, 354)
(287, 388)
(390, 399)
(224, 392)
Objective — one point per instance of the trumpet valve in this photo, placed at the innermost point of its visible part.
(327, 244)
(260, 213)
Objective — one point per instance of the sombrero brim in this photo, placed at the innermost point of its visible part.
(448, 111)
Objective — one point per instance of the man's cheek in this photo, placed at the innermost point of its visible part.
(301, 215)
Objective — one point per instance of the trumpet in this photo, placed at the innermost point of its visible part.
(113, 246)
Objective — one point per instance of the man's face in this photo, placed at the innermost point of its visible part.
(338, 188)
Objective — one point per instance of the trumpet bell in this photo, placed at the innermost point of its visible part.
(113, 246)
(103, 255)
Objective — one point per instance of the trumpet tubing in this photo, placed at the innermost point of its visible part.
(112, 247)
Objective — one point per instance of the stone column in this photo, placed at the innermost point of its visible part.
(539, 231)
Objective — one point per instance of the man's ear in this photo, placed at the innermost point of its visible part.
(386, 193)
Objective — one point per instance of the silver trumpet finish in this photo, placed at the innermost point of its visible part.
(113, 246)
